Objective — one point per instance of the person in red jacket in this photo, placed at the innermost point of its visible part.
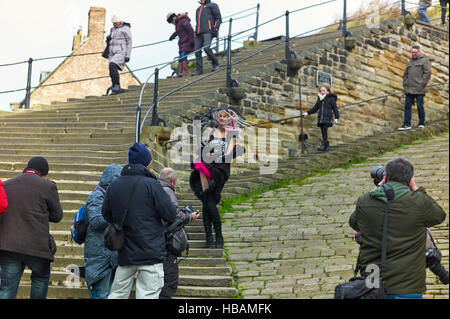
(185, 33)
(3, 199)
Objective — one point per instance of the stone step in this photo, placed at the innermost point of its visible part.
(65, 279)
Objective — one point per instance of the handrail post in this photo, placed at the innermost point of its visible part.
(403, 7)
(255, 36)
(217, 42)
(287, 50)
(344, 20)
(155, 99)
(28, 89)
(229, 80)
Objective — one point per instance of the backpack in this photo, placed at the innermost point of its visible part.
(79, 226)
(177, 238)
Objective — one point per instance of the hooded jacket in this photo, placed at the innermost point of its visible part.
(98, 260)
(410, 214)
(185, 33)
(120, 45)
(144, 232)
(33, 202)
(3, 199)
(326, 108)
(417, 75)
(208, 18)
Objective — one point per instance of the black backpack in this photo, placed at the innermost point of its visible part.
(177, 238)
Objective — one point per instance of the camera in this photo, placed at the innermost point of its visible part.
(377, 173)
(188, 210)
(434, 257)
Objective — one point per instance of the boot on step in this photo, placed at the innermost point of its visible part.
(322, 146)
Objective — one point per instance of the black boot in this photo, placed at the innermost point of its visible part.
(217, 223)
(327, 146)
(208, 231)
(116, 89)
(322, 146)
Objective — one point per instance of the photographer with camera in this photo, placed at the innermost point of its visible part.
(168, 181)
(411, 212)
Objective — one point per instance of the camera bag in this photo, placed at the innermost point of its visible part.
(114, 236)
(356, 287)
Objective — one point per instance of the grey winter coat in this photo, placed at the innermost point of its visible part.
(98, 260)
(417, 75)
(120, 45)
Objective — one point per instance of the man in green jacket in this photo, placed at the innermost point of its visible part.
(415, 80)
(411, 212)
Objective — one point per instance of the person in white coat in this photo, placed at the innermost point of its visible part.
(120, 44)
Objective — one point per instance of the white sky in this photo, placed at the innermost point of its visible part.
(45, 28)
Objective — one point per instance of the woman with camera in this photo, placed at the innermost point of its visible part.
(325, 106)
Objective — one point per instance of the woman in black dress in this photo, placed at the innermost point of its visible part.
(212, 171)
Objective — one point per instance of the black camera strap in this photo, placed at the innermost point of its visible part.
(390, 194)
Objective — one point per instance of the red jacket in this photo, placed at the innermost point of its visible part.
(3, 199)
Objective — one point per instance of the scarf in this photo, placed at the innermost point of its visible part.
(322, 97)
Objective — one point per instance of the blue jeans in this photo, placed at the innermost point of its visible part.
(12, 266)
(183, 56)
(410, 296)
(102, 288)
(409, 100)
(422, 11)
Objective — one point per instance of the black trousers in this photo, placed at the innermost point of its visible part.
(114, 73)
(170, 277)
(324, 129)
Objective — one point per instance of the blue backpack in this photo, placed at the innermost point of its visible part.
(79, 226)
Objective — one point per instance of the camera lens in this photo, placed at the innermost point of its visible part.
(377, 173)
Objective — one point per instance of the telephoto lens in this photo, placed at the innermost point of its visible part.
(434, 257)
(377, 173)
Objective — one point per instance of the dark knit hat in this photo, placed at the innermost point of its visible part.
(139, 154)
(39, 164)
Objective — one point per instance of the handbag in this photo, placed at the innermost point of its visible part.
(114, 235)
(105, 52)
(357, 287)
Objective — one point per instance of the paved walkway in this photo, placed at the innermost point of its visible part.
(295, 242)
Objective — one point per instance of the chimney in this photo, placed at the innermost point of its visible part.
(96, 29)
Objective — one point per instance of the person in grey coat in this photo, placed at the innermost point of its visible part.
(415, 81)
(168, 181)
(100, 263)
(120, 44)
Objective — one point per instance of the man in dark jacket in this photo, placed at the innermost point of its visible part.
(208, 19)
(185, 33)
(415, 80)
(25, 238)
(411, 212)
(145, 247)
(168, 180)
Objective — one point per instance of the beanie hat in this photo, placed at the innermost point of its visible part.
(38, 164)
(170, 17)
(139, 154)
(115, 19)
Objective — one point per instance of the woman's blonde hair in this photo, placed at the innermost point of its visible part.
(325, 85)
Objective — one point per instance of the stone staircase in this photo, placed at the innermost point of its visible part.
(81, 137)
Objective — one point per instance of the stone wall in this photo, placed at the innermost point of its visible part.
(82, 67)
(373, 68)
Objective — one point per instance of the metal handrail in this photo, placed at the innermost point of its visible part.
(139, 125)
